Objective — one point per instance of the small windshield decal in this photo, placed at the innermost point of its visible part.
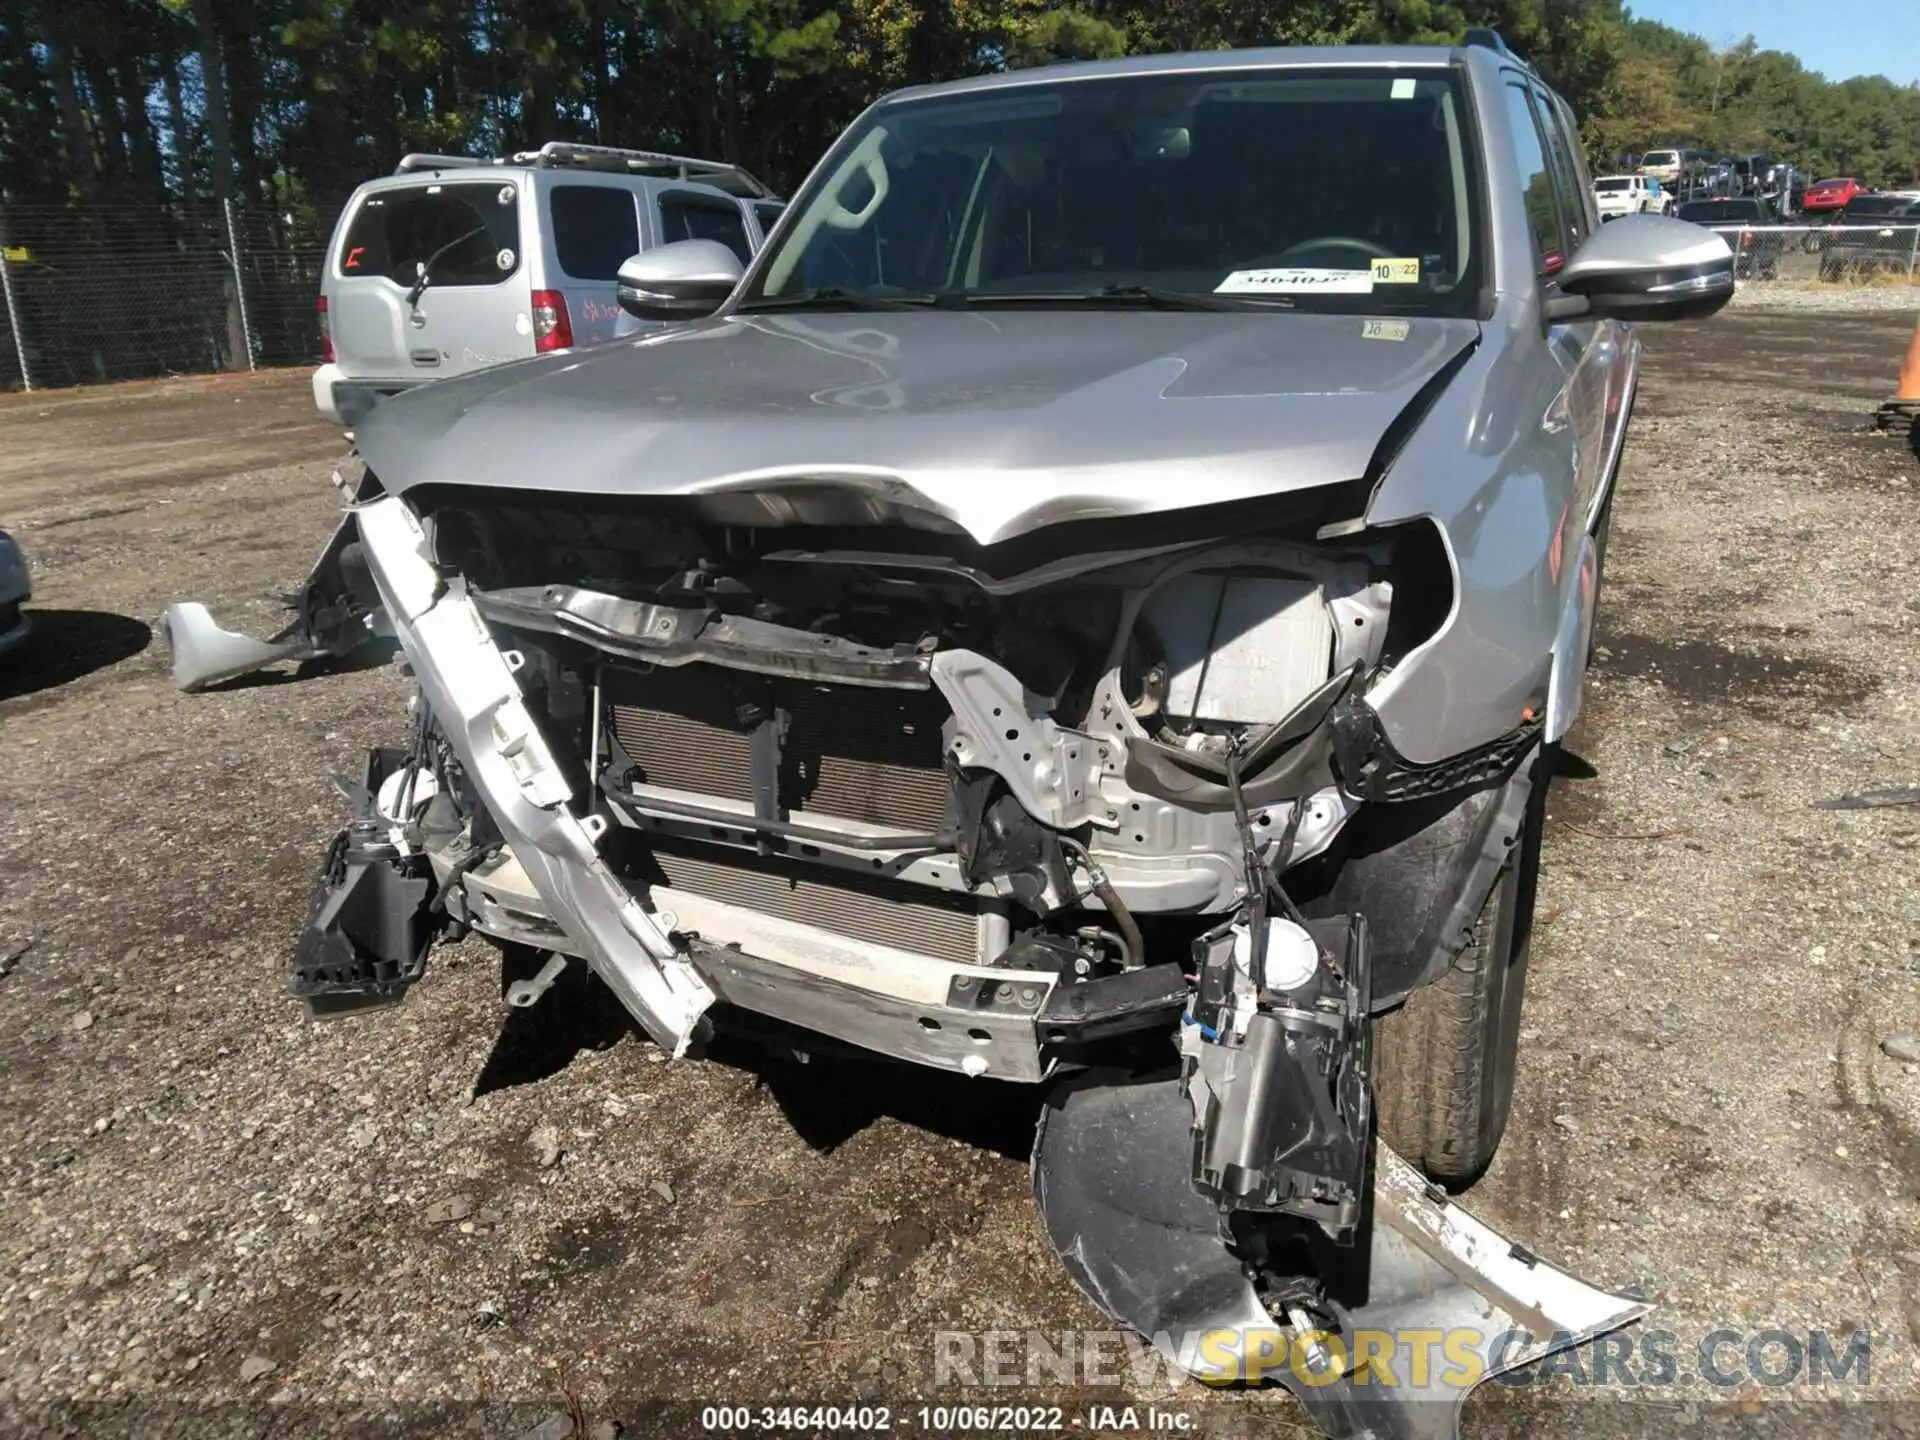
(1403, 88)
(504, 259)
(505, 197)
(1397, 271)
(1385, 329)
(1296, 281)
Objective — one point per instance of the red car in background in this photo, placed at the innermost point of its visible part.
(1829, 196)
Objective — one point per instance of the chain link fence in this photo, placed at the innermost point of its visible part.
(127, 292)
(1825, 254)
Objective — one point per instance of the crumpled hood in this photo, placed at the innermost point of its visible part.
(1000, 421)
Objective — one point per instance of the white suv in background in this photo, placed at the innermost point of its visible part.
(1618, 195)
(451, 263)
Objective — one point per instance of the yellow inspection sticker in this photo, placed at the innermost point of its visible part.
(1396, 272)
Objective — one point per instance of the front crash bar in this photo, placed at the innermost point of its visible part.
(470, 686)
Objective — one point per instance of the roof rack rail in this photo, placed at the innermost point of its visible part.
(734, 179)
(558, 154)
(427, 160)
(1484, 37)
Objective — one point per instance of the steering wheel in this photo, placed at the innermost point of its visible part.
(1349, 244)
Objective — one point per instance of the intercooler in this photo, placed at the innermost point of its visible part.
(848, 752)
(904, 917)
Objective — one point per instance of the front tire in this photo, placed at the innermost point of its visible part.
(1443, 1063)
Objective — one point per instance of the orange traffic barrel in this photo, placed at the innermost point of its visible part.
(1910, 372)
(1901, 415)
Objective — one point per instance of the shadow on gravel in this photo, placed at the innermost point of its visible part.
(578, 1013)
(65, 646)
(1757, 679)
(370, 656)
(828, 1098)
(834, 1095)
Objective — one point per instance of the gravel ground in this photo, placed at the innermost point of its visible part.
(1788, 296)
(453, 1216)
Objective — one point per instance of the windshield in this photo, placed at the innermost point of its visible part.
(1214, 187)
(1663, 157)
(1819, 183)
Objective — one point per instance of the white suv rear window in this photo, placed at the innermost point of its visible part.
(469, 232)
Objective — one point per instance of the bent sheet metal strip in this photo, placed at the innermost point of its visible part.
(1450, 1301)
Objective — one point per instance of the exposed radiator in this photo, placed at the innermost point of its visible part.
(858, 754)
(905, 917)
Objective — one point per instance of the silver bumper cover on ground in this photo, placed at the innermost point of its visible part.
(1449, 1301)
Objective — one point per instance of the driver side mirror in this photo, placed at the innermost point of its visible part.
(1645, 267)
(683, 280)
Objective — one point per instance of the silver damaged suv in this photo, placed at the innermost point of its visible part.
(1093, 603)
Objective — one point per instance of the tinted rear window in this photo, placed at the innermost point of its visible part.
(697, 217)
(1875, 205)
(596, 229)
(1603, 186)
(470, 232)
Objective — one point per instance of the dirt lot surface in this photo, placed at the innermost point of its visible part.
(206, 1201)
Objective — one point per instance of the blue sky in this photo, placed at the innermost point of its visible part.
(1836, 37)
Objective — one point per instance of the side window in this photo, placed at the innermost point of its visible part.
(469, 233)
(696, 217)
(1536, 185)
(596, 229)
(768, 213)
(1563, 160)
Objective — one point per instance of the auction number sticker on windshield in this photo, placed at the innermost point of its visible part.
(1396, 272)
(1296, 281)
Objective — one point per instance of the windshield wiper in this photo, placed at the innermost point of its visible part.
(835, 297)
(1149, 295)
(1192, 299)
(426, 266)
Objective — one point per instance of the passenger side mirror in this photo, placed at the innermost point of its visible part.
(1645, 267)
(684, 280)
